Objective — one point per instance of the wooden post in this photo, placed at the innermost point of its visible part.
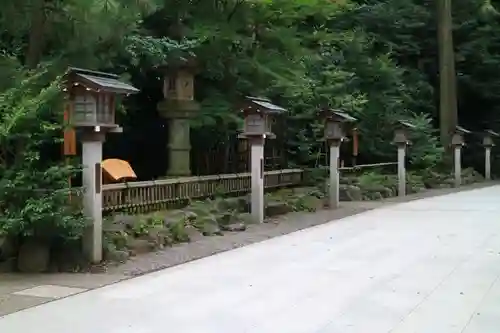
(355, 146)
(401, 170)
(257, 178)
(69, 148)
(487, 163)
(334, 174)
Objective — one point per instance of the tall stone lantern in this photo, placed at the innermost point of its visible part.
(335, 128)
(402, 141)
(258, 115)
(91, 102)
(457, 143)
(488, 144)
(178, 107)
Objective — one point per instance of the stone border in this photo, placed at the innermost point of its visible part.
(207, 246)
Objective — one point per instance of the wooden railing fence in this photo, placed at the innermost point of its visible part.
(141, 197)
(147, 196)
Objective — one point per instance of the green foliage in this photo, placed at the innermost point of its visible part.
(34, 200)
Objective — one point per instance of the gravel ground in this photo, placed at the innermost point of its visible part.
(283, 225)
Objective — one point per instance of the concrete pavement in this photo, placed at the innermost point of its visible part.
(427, 266)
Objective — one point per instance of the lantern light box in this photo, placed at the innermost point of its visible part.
(458, 136)
(335, 122)
(488, 138)
(92, 96)
(259, 116)
(401, 132)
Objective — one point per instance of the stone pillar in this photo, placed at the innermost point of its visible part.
(179, 147)
(257, 178)
(457, 156)
(487, 162)
(178, 113)
(334, 174)
(401, 170)
(92, 200)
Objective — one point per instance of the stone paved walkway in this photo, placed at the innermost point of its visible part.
(427, 266)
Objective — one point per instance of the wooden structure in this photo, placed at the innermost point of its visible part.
(259, 114)
(91, 103)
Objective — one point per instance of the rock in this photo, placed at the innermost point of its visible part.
(225, 218)
(370, 195)
(34, 257)
(8, 265)
(245, 218)
(118, 239)
(307, 203)
(208, 226)
(118, 256)
(350, 193)
(190, 216)
(231, 204)
(69, 257)
(235, 227)
(7, 248)
(193, 234)
(276, 208)
(120, 222)
(140, 246)
(174, 217)
(159, 236)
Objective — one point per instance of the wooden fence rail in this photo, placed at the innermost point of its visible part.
(147, 196)
(140, 197)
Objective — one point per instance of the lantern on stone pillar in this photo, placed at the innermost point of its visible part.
(334, 132)
(488, 138)
(335, 124)
(401, 140)
(458, 136)
(259, 116)
(92, 98)
(401, 133)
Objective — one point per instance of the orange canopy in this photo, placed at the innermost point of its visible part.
(118, 170)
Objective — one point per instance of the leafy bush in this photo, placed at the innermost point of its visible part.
(35, 197)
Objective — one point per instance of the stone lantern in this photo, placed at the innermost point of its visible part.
(488, 145)
(457, 143)
(335, 127)
(91, 102)
(178, 107)
(259, 116)
(401, 140)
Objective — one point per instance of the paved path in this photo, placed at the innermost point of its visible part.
(427, 266)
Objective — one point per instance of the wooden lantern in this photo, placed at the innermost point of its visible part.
(335, 123)
(458, 136)
(401, 136)
(488, 138)
(259, 116)
(92, 97)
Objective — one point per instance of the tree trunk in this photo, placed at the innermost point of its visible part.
(448, 114)
(36, 34)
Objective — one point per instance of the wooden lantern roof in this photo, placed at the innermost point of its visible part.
(462, 131)
(403, 124)
(337, 115)
(261, 105)
(99, 81)
(491, 133)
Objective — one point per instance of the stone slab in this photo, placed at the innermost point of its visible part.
(49, 291)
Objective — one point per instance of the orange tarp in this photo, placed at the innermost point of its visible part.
(118, 170)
